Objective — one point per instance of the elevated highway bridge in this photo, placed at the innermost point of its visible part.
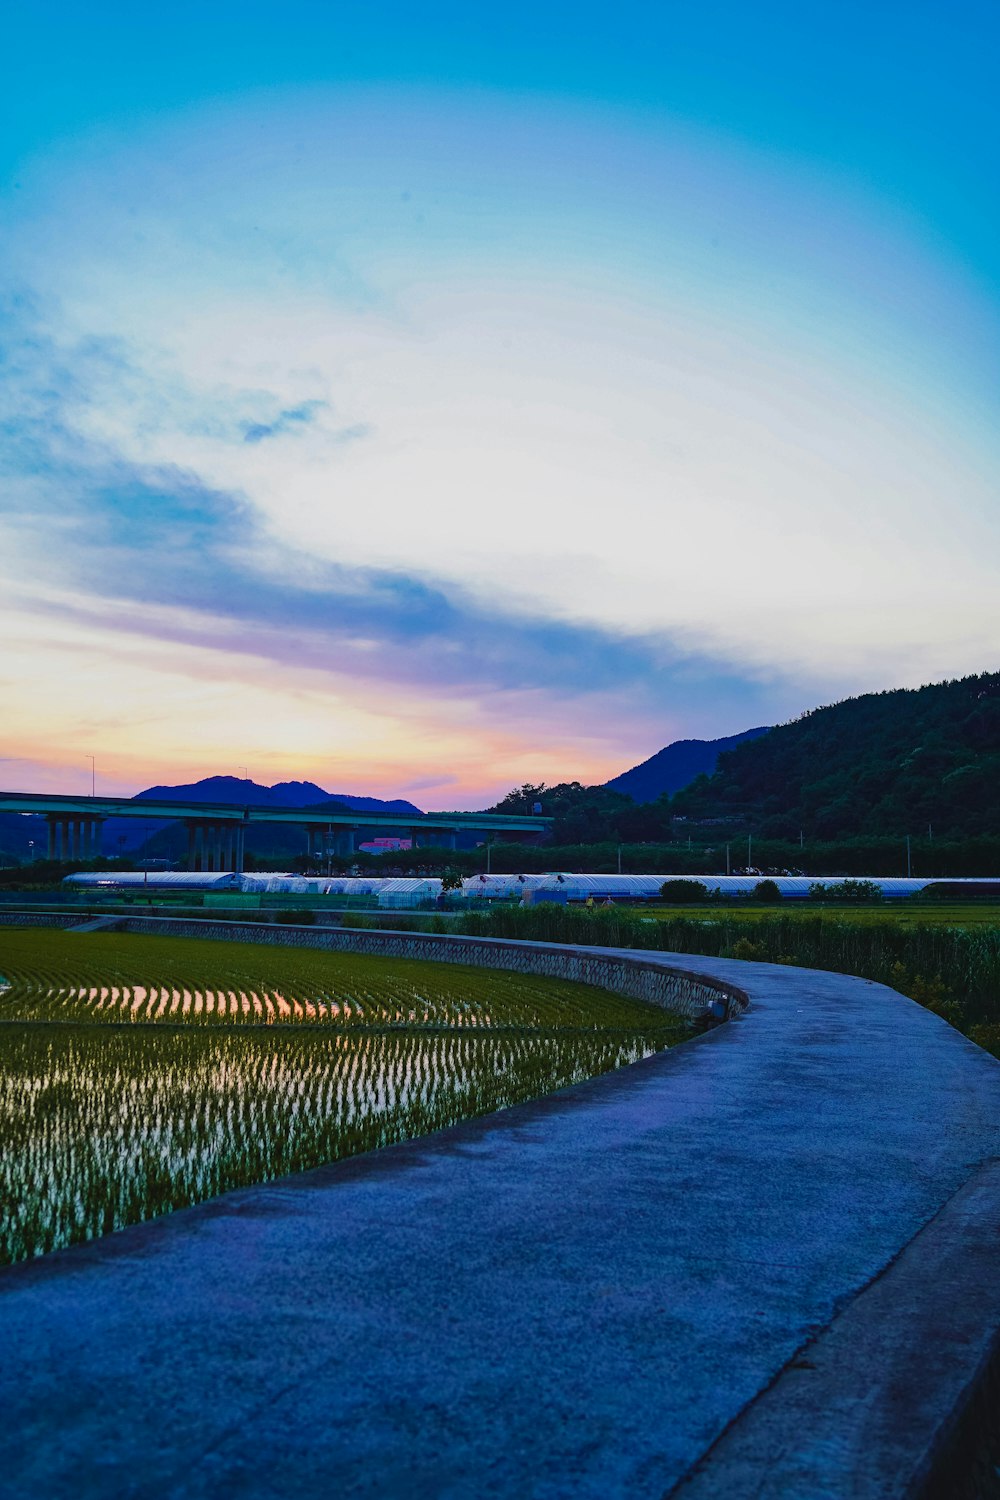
(217, 830)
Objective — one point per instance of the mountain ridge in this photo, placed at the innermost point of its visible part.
(905, 761)
(677, 765)
(283, 794)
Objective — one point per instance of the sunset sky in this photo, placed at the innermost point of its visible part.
(421, 399)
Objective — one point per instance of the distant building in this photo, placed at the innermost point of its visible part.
(385, 846)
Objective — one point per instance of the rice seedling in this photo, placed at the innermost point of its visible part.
(129, 978)
(108, 1126)
(139, 1075)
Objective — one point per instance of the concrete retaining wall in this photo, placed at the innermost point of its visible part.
(682, 991)
(685, 992)
(40, 918)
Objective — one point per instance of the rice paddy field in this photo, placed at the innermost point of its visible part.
(139, 1075)
(53, 975)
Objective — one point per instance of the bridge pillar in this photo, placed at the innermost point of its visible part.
(238, 861)
(196, 842)
(52, 835)
(441, 838)
(345, 844)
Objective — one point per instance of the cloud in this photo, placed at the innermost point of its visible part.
(428, 783)
(153, 550)
(285, 421)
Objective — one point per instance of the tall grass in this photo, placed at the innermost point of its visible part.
(953, 971)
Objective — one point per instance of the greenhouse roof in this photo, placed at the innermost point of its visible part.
(190, 880)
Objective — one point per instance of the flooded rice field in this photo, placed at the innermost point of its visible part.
(124, 977)
(115, 1107)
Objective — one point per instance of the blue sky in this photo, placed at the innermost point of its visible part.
(394, 393)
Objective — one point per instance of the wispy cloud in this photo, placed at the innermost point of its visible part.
(151, 550)
(286, 421)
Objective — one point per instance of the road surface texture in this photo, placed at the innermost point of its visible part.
(764, 1263)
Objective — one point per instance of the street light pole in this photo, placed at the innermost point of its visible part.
(93, 775)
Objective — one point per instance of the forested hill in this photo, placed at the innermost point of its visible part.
(885, 763)
(676, 766)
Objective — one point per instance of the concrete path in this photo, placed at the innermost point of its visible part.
(577, 1297)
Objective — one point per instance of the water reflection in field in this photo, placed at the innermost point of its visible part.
(103, 1127)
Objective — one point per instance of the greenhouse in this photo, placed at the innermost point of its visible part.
(563, 887)
(400, 893)
(154, 880)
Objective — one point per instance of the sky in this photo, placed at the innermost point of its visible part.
(423, 399)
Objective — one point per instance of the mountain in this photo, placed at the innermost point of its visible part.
(891, 763)
(125, 835)
(282, 794)
(676, 766)
(128, 835)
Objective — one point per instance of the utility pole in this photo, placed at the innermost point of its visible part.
(619, 859)
(749, 849)
(727, 859)
(93, 776)
(801, 839)
(909, 869)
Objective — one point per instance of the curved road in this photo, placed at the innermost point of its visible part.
(577, 1297)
